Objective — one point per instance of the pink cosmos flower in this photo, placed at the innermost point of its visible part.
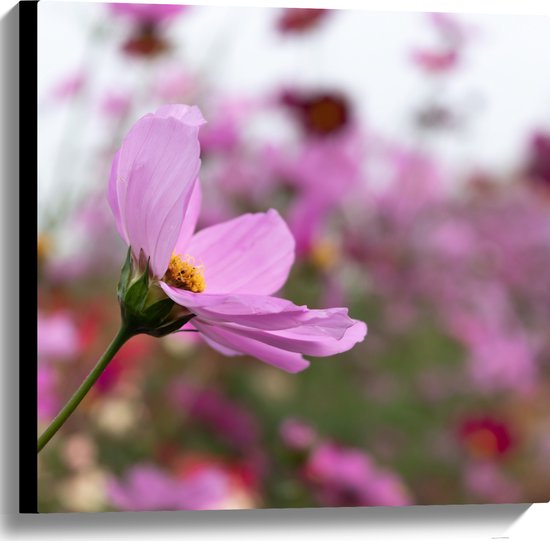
(224, 276)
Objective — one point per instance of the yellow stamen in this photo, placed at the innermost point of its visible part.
(183, 273)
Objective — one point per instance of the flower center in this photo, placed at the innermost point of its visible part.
(183, 273)
(483, 443)
(324, 254)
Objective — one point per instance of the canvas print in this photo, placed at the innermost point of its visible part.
(291, 257)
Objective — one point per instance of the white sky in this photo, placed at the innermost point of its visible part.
(506, 70)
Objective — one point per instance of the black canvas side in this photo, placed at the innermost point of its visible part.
(28, 189)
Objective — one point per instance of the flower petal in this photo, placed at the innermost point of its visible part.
(113, 198)
(274, 322)
(152, 178)
(188, 114)
(258, 311)
(310, 339)
(190, 220)
(249, 254)
(287, 361)
(238, 307)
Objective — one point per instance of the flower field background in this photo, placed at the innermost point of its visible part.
(422, 205)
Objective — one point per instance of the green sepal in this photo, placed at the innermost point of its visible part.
(135, 296)
(125, 274)
(159, 311)
(144, 307)
(171, 327)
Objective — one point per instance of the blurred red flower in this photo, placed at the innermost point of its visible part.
(300, 20)
(485, 437)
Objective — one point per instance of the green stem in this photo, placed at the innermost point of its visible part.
(119, 340)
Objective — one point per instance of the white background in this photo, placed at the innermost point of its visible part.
(420, 523)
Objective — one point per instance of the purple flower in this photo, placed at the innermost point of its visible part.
(295, 20)
(224, 275)
(486, 481)
(147, 13)
(232, 422)
(115, 104)
(58, 340)
(48, 401)
(146, 39)
(147, 488)
(348, 477)
(435, 61)
(538, 165)
(57, 337)
(296, 434)
(69, 87)
(321, 114)
(322, 173)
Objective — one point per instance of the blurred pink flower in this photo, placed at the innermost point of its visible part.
(209, 407)
(297, 435)
(435, 61)
(69, 87)
(148, 488)
(58, 338)
(450, 27)
(173, 84)
(452, 34)
(538, 162)
(147, 13)
(503, 361)
(415, 186)
(225, 131)
(155, 197)
(486, 481)
(501, 355)
(116, 104)
(322, 173)
(146, 39)
(48, 401)
(348, 477)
